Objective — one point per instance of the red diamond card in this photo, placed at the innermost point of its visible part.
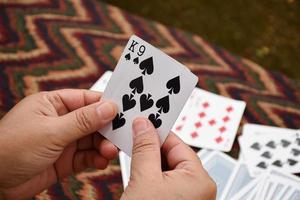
(210, 120)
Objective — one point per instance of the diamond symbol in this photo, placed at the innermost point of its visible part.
(229, 108)
(202, 114)
(194, 134)
(212, 122)
(178, 128)
(222, 129)
(205, 104)
(198, 124)
(219, 139)
(226, 119)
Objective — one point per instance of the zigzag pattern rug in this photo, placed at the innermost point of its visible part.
(50, 44)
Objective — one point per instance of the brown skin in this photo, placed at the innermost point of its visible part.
(50, 135)
(185, 179)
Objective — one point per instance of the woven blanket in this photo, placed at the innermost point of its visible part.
(50, 44)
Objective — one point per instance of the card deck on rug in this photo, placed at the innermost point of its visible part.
(146, 82)
(209, 120)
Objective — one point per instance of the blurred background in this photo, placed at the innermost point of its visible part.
(267, 31)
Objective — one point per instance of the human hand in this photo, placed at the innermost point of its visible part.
(186, 178)
(48, 136)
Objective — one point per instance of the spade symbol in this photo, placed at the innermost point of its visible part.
(127, 56)
(147, 66)
(174, 85)
(292, 162)
(146, 102)
(262, 165)
(298, 141)
(271, 144)
(295, 152)
(128, 102)
(277, 163)
(255, 146)
(266, 154)
(118, 121)
(155, 120)
(285, 143)
(137, 85)
(136, 60)
(163, 104)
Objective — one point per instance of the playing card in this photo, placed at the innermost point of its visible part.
(125, 163)
(203, 153)
(249, 190)
(209, 120)
(264, 151)
(274, 190)
(239, 179)
(294, 194)
(255, 130)
(261, 188)
(146, 82)
(270, 186)
(101, 83)
(220, 167)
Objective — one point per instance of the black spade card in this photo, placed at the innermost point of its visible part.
(146, 83)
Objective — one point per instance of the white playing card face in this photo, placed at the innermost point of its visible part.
(209, 120)
(148, 83)
(254, 130)
(220, 167)
(125, 163)
(239, 179)
(265, 151)
(101, 83)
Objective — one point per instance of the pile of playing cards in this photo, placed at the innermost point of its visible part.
(234, 181)
(263, 147)
(146, 82)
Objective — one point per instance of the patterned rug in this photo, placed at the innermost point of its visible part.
(47, 45)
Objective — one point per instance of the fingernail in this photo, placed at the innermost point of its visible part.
(106, 110)
(140, 126)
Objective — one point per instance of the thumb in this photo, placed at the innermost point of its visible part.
(84, 121)
(146, 149)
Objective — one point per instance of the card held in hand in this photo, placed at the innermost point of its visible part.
(146, 83)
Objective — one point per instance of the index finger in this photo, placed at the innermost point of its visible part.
(73, 99)
(177, 152)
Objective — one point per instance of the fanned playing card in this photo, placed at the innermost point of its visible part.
(146, 82)
(209, 120)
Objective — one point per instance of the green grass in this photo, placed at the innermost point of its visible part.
(266, 31)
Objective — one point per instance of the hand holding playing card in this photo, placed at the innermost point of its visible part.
(185, 177)
(50, 135)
